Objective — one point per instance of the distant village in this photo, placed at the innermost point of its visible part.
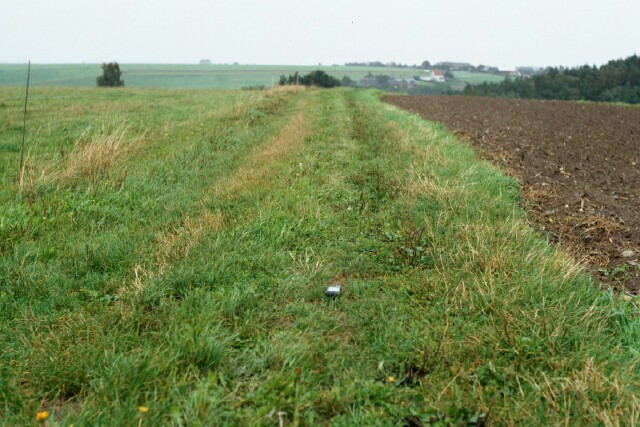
(437, 73)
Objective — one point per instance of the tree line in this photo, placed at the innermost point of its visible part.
(616, 81)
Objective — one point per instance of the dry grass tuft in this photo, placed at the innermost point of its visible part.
(173, 246)
(286, 89)
(425, 185)
(607, 397)
(92, 158)
(235, 111)
(176, 244)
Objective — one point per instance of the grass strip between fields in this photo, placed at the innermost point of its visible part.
(193, 284)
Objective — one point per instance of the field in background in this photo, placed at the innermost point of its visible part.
(169, 249)
(204, 76)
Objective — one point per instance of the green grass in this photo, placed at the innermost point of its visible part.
(198, 76)
(187, 274)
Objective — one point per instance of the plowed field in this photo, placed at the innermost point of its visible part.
(578, 165)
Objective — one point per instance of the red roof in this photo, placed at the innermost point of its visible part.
(437, 73)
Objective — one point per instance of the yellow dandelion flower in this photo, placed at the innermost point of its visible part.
(391, 379)
(143, 409)
(42, 416)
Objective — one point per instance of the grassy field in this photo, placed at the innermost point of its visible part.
(164, 262)
(200, 76)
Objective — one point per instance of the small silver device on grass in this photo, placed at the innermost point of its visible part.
(333, 291)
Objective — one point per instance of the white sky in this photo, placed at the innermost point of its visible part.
(492, 32)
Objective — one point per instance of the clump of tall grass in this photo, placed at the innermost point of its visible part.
(93, 158)
(286, 89)
(175, 244)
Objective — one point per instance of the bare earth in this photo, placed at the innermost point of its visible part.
(578, 165)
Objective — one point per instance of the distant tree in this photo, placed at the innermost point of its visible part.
(383, 80)
(347, 81)
(448, 74)
(425, 64)
(110, 75)
(315, 78)
(321, 79)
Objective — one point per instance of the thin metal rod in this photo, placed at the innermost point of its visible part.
(24, 125)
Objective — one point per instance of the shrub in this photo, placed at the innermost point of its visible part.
(315, 78)
(110, 75)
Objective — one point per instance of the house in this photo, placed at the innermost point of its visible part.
(405, 83)
(394, 83)
(434, 76)
(488, 69)
(411, 82)
(205, 62)
(510, 71)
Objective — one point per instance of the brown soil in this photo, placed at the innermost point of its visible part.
(578, 166)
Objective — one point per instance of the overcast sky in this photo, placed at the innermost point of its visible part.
(492, 32)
